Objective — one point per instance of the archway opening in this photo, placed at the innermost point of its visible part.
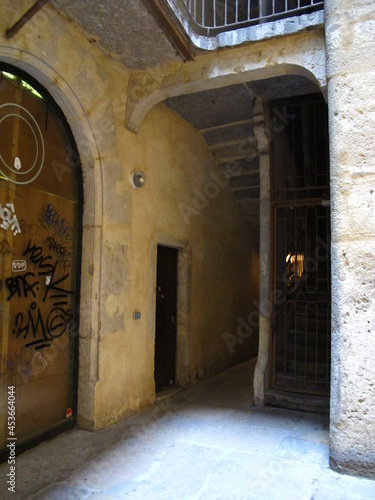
(278, 128)
(301, 261)
(40, 250)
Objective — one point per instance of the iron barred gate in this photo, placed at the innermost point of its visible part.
(301, 248)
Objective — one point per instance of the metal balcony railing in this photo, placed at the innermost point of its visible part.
(216, 16)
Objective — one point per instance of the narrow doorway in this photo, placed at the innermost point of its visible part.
(301, 248)
(166, 317)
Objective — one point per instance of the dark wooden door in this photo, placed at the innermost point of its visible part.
(166, 317)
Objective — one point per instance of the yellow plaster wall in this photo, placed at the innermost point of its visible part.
(175, 160)
(122, 226)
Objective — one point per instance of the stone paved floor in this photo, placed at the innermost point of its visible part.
(204, 443)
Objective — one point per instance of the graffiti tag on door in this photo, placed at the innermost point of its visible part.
(48, 314)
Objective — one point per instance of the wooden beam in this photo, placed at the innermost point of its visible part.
(169, 24)
(25, 18)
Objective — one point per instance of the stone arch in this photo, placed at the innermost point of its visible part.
(148, 88)
(67, 100)
(302, 55)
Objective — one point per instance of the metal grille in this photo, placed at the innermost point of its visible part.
(301, 247)
(302, 316)
(223, 15)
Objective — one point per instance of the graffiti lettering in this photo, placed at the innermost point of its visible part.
(54, 220)
(32, 323)
(49, 315)
(64, 255)
(9, 218)
(20, 286)
(35, 255)
(18, 266)
(53, 291)
(38, 232)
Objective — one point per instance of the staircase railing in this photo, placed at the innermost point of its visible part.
(211, 17)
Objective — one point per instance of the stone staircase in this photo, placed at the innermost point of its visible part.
(232, 122)
(225, 118)
(235, 148)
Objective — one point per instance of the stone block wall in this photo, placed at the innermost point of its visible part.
(350, 28)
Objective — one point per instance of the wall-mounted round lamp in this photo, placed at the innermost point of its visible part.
(138, 179)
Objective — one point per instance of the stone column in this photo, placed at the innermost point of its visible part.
(350, 39)
(260, 375)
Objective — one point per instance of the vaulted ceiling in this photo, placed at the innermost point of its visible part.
(129, 31)
(125, 29)
(225, 119)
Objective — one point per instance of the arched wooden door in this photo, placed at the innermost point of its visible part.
(40, 234)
